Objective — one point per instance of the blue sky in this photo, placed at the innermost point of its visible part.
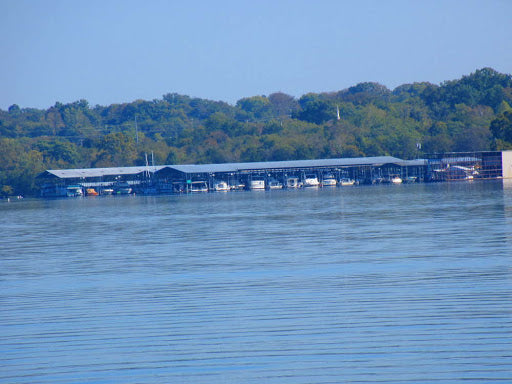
(119, 51)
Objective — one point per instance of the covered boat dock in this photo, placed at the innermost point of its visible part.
(199, 177)
(364, 170)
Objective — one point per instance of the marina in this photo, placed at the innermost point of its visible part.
(201, 178)
(263, 192)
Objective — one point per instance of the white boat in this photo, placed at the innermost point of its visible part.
(220, 186)
(293, 182)
(396, 180)
(329, 180)
(257, 184)
(345, 182)
(275, 184)
(311, 180)
(198, 186)
(74, 191)
(236, 186)
(458, 172)
(106, 191)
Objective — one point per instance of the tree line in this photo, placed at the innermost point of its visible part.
(469, 114)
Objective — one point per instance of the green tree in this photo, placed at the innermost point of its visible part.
(257, 106)
(315, 110)
(282, 104)
(116, 150)
(501, 127)
(6, 190)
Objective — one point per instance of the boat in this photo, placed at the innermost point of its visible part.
(329, 180)
(257, 183)
(311, 180)
(236, 186)
(220, 186)
(74, 191)
(293, 182)
(396, 180)
(458, 172)
(275, 184)
(91, 192)
(345, 182)
(410, 179)
(107, 191)
(122, 188)
(198, 186)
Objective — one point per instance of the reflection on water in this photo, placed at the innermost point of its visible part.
(370, 284)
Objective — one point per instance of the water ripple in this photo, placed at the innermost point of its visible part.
(382, 284)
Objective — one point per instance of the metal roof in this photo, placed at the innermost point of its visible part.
(268, 165)
(228, 167)
(412, 163)
(97, 172)
(460, 159)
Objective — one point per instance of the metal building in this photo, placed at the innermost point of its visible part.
(70, 182)
(469, 165)
(275, 174)
(367, 170)
(200, 177)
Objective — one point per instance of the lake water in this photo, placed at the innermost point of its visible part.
(387, 284)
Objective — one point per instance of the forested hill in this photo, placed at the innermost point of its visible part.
(471, 113)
